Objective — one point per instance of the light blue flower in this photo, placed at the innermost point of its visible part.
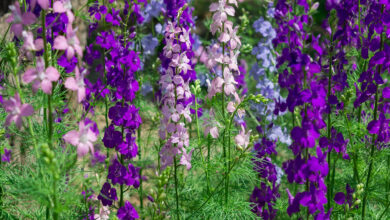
(149, 44)
(153, 9)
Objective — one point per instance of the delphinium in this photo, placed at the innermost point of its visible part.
(264, 197)
(117, 84)
(373, 29)
(177, 72)
(41, 44)
(225, 54)
(307, 93)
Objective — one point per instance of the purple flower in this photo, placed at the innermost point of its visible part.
(117, 172)
(129, 147)
(98, 158)
(69, 65)
(127, 212)
(264, 197)
(339, 198)
(97, 10)
(125, 116)
(314, 199)
(112, 138)
(132, 176)
(114, 17)
(107, 195)
(6, 157)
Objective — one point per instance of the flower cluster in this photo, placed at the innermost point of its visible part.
(308, 93)
(117, 83)
(174, 81)
(264, 198)
(230, 43)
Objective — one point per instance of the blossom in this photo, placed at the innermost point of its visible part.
(171, 48)
(149, 43)
(41, 77)
(181, 62)
(64, 6)
(6, 157)
(112, 138)
(127, 212)
(107, 194)
(83, 138)
(44, 4)
(19, 20)
(221, 10)
(104, 213)
(16, 110)
(117, 172)
(132, 176)
(186, 158)
(97, 10)
(211, 125)
(70, 43)
(77, 84)
(230, 35)
(30, 43)
(242, 139)
(185, 37)
(113, 17)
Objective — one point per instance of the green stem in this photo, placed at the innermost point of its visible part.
(373, 135)
(224, 132)
(176, 189)
(208, 162)
(371, 159)
(141, 196)
(220, 183)
(329, 125)
(50, 116)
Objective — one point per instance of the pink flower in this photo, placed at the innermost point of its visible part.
(41, 77)
(211, 126)
(171, 48)
(185, 38)
(82, 139)
(104, 213)
(30, 43)
(221, 10)
(77, 84)
(242, 139)
(213, 55)
(45, 4)
(229, 82)
(186, 158)
(171, 30)
(167, 153)
(230, 107)
(18, 19)
(70, 44)
(220, 15)
(64, 6)
(233, 65)
(16, 110)
(181, 110)
(181, 62)
(230, 35)
(180, 137)
(215, 87)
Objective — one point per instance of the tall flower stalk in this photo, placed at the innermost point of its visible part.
(176, 95)
(224, 83)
